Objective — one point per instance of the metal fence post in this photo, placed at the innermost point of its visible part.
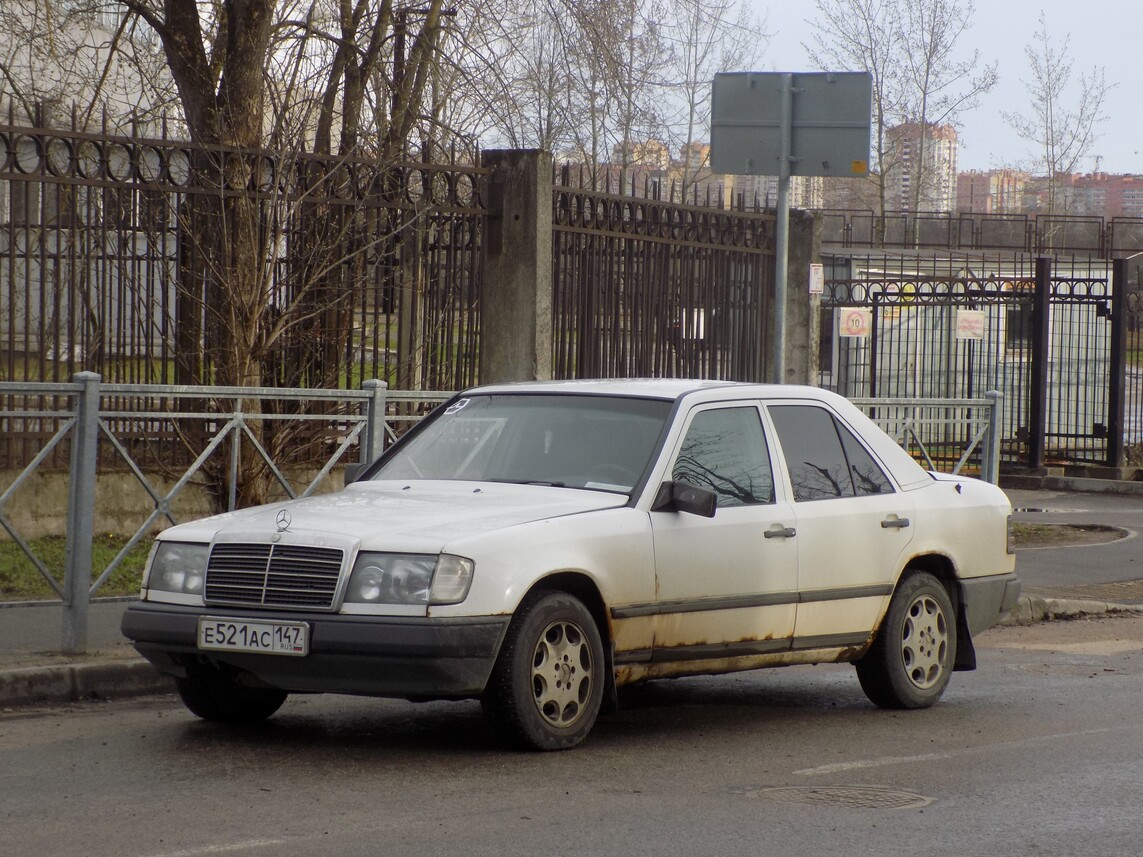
(1038, 379)
(81, 514)
(374, 421)
(990, 458)
(1117, 386)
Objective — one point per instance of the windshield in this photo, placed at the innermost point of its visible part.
(577, 441)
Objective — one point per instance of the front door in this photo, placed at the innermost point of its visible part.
(727, 584)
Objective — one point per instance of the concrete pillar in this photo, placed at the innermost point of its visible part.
(516, 304)
(803, 310)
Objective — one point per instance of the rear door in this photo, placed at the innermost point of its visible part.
(853, 525)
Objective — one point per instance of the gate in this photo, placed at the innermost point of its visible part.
(1041, 334)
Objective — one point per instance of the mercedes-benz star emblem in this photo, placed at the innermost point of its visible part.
(283, 520)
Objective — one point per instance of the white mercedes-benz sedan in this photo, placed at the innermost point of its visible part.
(539, 545)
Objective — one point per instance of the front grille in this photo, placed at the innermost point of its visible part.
(273, 575)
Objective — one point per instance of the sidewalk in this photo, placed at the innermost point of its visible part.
(1058, 582)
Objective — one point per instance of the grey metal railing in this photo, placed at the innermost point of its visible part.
(88, 413)
(962, 432)
(90, 416)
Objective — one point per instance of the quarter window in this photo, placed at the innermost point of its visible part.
(725, 451)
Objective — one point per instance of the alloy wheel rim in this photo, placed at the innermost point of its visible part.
(925, 642)
(562, 673)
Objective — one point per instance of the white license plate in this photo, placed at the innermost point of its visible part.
(268, 638)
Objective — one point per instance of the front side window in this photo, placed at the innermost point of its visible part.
(824, 459)
(725, 451)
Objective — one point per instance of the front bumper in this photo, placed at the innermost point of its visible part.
(405, 657)
(987, 599)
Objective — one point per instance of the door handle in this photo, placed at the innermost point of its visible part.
(781, 533)
(894, 523)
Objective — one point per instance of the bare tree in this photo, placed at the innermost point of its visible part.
(82, 61)
(938, 85)
(862, 35)
(1064, 117)
(912, 51)
(707, 36)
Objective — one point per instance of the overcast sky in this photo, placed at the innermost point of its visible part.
(1104, 33)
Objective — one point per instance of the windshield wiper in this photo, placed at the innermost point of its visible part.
(531, 482)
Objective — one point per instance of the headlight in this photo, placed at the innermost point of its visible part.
(397, 578)
(178, 567)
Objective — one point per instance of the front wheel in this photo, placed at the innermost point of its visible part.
(546, 688)
(213, 694)
(911, 661)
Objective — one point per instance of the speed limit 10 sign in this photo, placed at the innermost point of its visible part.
(854, 322)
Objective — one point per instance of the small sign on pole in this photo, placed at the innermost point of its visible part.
(817, 278)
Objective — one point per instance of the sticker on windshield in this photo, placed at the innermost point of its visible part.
(457, 406)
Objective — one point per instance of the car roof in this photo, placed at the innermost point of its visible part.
(657, 388)
(907, 472)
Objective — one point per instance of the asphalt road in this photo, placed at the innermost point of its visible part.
(1039, 752)
(1112, 562)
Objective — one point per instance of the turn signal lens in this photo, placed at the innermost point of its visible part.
(451, 580)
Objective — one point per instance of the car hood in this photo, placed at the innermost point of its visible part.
(422, 516)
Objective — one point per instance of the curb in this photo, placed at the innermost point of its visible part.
(1030, 609)
(74, 682)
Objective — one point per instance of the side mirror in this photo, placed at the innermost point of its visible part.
(684, 497)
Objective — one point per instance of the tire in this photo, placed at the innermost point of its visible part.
(213, 694)
(911, 661)
(547, 685)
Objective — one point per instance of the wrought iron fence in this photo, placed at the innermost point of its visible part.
(109, 262)
(649, 288)
(954, 327)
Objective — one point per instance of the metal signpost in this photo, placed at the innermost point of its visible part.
(784, 124)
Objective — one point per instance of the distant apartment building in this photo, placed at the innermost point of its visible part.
(646, 153)
(1015, 192)
(733, 191)
(991, 192)
(695, 156)
(1103, 195)
(920, 170)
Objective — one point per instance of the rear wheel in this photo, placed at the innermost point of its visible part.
(546, 688)
(212, 693)
(911, 661)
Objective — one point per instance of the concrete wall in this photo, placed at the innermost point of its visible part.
(39, 507)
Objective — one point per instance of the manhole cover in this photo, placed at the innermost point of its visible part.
(854, 797)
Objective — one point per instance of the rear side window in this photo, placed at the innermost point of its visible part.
(725, 451)
(823, 457)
